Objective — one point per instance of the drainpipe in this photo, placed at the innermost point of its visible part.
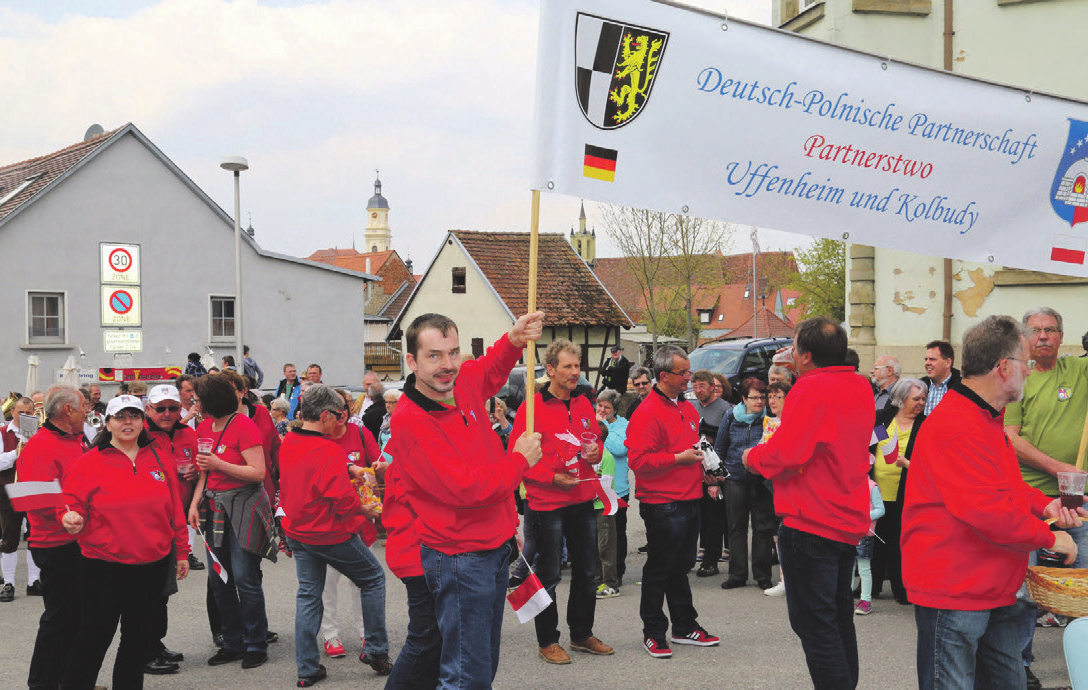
(947, 316)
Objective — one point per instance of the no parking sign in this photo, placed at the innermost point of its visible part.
(120, 305)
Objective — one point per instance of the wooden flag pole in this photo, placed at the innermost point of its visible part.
(530, 356)
(1080, 461)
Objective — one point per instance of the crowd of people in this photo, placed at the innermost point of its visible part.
(936, 485)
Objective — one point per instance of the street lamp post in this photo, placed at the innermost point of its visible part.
(237, 164)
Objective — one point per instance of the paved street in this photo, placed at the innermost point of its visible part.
(758, 648)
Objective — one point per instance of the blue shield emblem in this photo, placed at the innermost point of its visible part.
(1069, 190)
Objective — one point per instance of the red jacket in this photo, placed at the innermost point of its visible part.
(553, 417)
(658, 430)
(402, 546)
(969, 520)
(819, 457)
(176, 450)
(131, 509)
(360, 448)
(48, 455)
(319, 502)
(457, 477)
(270, 444)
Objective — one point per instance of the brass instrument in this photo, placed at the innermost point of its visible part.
(9, 403)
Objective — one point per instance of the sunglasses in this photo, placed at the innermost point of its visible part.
(166, 408)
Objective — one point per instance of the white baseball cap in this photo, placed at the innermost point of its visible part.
(163, 392)
(122, 402)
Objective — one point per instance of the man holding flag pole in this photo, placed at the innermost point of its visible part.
(460, 483)
(560, 490)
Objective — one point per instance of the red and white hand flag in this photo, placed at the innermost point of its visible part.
(35, 495)
(888, 448)
(217, 567)
(529, 599)
(611, 500)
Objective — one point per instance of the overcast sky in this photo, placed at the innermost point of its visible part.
(436, 94)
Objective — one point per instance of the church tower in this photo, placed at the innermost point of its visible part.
(379, 238)
(585, 243)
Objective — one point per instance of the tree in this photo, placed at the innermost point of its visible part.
(641, 236)
(821, 279)
(670, 257)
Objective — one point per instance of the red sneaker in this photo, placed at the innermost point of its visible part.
(658, 649)
(697, 637)
(334, 649)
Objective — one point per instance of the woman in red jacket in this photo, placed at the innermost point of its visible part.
(124, 506)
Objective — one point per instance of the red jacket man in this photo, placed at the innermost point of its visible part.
(460, 483)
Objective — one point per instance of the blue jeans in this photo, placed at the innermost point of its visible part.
(961, 650)
(469, 592)
(672, 532)
(417, 663)
(241, 599)
(819, 572)
(355, 562)
(578, 524)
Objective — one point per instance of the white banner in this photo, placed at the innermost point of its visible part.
(647, 105)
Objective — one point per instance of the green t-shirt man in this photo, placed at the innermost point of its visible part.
(1051, 416)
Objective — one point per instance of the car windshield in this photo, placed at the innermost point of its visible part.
(718, 361)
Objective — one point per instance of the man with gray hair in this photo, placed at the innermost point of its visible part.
(886, 371)
(322, 519)
(661, 450)
(46, 457)
(1045, 430)
(970, 520)
(641, 381)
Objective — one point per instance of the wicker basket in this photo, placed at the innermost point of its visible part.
(1061, 590)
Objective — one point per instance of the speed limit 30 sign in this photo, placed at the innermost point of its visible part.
(120, 263)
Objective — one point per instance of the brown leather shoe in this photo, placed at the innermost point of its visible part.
(591, 645)
(554, 654)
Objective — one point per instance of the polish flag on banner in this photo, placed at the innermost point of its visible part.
(35, 495)
(1068, 249)
(217, 567)
(612, 501)
(529, 599)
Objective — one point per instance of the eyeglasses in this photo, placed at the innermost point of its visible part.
(126, 415)
(336, 413)
(686, 373)
(755, 397)
(1049, 330)
(640, 384)
(166, 408)
(1029, 364)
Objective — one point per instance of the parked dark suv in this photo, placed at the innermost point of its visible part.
(738, 359)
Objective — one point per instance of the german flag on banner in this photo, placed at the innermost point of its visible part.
(600, 163)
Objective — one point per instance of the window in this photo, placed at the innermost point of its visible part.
(222, 318)
(704, 316)
(477, 347)
(46, 318)
(458, 280)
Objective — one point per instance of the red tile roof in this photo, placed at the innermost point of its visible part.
(768, 325)
(723, 292)
(48, 168)
(567, 291)
(351, 259)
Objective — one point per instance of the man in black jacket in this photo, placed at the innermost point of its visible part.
(616, 369)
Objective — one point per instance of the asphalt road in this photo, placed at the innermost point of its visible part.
(758, 650)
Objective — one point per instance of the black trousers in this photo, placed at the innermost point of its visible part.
(887, 557)
(11, 525)
(112, 592)
(59, 624)
(712, 521)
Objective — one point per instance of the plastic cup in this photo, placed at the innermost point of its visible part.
(784, 357)
(588, 441)
(184, 467)
(205, 445)
(1071, 485)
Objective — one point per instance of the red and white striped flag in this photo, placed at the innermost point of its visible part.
(889, 449)
(529, 599)
(35, 495)
(611, 500)
(217, 567)
(1068, 249)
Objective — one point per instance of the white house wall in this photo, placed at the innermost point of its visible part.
(125, 194)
